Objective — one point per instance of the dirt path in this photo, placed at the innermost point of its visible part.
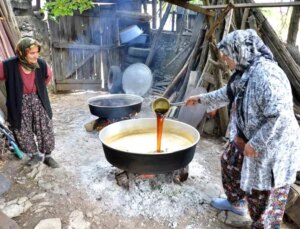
(83, 193)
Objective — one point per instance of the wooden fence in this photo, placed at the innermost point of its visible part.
(83, 47)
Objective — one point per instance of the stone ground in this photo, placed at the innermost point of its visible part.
(83, 193)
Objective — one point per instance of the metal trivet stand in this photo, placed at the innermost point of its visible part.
(100, 123)
(130, 180)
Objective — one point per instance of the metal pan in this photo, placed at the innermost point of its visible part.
(115, 105)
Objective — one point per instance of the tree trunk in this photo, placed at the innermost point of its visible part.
(294, 26)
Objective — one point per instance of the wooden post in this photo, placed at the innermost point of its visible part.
(154, 9)
(195, 52)
(157, 35)
(245, 16)
(171, 88)
(173, 21)
(180, 30)
(160, 10)
(285, 60)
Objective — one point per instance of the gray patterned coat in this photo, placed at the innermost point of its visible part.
(269, 124)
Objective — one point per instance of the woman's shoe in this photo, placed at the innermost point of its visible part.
(49, 161)
(35, 159)
(223, 204)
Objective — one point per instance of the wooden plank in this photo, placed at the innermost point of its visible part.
(172, 86)
(192, 7)
(209, 78)
(154, 12)
(157, 36)
(68, 45)
(134, 15)
(194, 57)
(293, 210)
(253, 5)
(245, 17)
(219, 20)
(80, 81)
(74, 86)
(81, 63)
(283, 57)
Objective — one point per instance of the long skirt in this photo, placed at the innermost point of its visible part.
(36, 132)
(266, 208)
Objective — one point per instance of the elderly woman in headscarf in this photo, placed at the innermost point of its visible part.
(28, 107)
(262, 158)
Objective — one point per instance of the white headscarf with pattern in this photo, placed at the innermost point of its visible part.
(244, 47)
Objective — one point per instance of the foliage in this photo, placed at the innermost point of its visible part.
(57, 8)
(196, 2)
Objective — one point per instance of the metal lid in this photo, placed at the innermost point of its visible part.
(137, 79)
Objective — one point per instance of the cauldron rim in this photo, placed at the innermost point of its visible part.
(154, 163)
(195, 142)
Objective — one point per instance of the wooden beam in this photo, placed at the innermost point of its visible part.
(283, 57)
(66, 45)
(218, 21)
(245, 17)
(192, 7)
(252, 5)
(154, 16)
(157, 36)
(79, 81)
(134, 15)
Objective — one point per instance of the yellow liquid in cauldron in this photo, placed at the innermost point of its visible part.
(146, 143)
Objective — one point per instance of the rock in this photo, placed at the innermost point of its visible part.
(39, 196)
(4, 184)
(22, 200)
(38, 210)
(16, 207)
(210, 191)
(45, 204)
(90, 126)
(7, 223)
(77, 221)
(36, 172)
(234, 220)
(54, 223)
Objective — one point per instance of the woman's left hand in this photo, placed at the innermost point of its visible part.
(192, 101)
(249, 151)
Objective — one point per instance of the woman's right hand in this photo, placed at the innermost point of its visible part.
(192, 101)
(240, 142)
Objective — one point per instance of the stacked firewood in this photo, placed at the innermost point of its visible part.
(211, 72)
(9, 36)
(9, 31)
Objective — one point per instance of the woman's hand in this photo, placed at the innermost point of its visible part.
(249, 151)
(192, 101)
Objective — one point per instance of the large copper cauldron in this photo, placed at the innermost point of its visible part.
(130, 145)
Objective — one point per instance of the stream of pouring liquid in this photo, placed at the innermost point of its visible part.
(160, 124)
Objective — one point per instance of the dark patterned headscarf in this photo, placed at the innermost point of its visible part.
(244, 47)
(22, 49)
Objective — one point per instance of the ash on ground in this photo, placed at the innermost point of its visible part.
(154, 198)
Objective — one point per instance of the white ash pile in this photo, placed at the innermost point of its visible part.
(157, 198)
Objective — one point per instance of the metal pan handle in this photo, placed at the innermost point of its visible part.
(178, 104)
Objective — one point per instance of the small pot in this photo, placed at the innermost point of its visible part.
(130, 33)
(115, 105)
